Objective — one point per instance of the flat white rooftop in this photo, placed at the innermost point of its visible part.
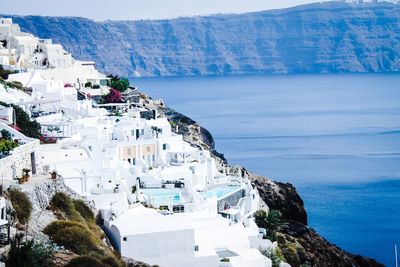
(141, 220)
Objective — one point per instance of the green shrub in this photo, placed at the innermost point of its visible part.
(81, 207)
(29, 254)
(65, 204)
(290, 252)
(120, 85)
(7, 145)
(15, 84)
(88, 85)
(41, 254)
(85, 261)
(112, 261)
(91, 261)
(86, 216)
(72, 235)
(21, 204)
(275, 255)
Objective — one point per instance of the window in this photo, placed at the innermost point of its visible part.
(133, 132)
(178, 209)
(148, 149)
(196, 248)
(90, 148)
(128, 151)
(125, 238)
(164, 146)
(142, 132)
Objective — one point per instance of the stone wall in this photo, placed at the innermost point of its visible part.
(20, 158)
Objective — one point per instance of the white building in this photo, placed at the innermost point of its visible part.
(189, 239)
(196, 215)
(27, 52)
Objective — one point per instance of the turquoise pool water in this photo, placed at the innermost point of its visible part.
(163, 196)
(221, 191)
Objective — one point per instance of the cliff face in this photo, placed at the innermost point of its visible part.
(317, 38)
(282, 197)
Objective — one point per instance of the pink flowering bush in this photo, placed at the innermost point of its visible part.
(113, 97)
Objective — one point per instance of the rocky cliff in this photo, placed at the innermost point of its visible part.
(317, 38)
(301, 245)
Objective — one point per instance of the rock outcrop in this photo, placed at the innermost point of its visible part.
(282, 197)
(301, 245)
(328, 37)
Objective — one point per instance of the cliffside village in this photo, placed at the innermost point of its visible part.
(162, 200)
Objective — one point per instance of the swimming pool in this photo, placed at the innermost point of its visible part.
(221, 191)
(161, 197)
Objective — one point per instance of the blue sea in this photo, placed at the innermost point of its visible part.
(335, 137)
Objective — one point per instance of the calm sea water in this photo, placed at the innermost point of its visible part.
(335, 137)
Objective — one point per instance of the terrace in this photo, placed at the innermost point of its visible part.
(173, 199)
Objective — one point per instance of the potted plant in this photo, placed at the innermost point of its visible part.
(25, 175)
(53, 174)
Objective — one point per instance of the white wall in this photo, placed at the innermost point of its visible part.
(4, 60)
(167, 249)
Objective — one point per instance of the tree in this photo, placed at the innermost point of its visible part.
(5, 134)
(88, 85)
(271, 222)
(156, 130)
(120, 85)
(113, 77)
(28, 127)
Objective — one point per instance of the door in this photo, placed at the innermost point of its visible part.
(33, 162)
(137, 134)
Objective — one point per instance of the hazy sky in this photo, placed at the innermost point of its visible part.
(138, 9)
